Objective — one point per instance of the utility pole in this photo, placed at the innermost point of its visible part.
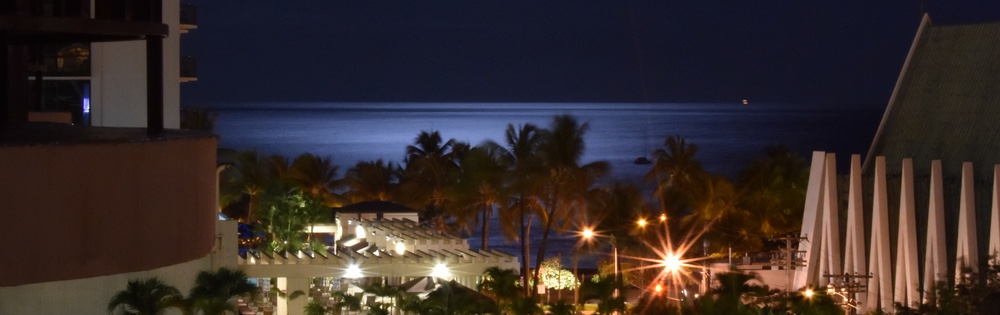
(789, 258)
(847, 286)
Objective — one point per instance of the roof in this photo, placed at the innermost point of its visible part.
(946, 104)
(374, 206)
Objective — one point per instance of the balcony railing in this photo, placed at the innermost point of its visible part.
(189, 68)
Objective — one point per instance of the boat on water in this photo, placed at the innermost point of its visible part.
(642, 160)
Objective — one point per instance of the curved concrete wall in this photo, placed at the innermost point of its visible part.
(75, 211)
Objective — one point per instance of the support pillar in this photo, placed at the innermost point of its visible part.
(880, 284)
(294, 306)
(967, 251)
(994, 249)
(907, 284)
(936, 254)
(829, 262)
(810, 223)
(854, 254)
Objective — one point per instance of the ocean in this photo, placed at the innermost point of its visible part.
(728, 136)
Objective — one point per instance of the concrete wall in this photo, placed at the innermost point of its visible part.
(91, 295)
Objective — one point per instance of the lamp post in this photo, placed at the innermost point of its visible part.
(588, 234)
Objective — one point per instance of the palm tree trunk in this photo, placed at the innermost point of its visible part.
(487, 211)
(544, 241)
(525, 265)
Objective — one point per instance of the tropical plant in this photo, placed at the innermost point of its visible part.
(345, 301)
(317, 178)
(603, 288)
(315, 308)
(501, 285)
(561, 308)
(773, 189)
(428, 173)
(383, 291)
(452, 298)
(522, 160)
(214, 291)
(150, 296)
(567, 182)
(674, 171)
(481, 186)
(556, 278)
(372, 180)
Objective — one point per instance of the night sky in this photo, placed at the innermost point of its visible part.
(810, 52)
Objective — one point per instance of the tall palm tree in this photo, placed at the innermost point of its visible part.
(372, 180)
(773, 189)
(214, 291)
(567, 182)
(429, 165)
(146, 297)
(248, 177)
(674, 170)
(523, 162)
(481, 186)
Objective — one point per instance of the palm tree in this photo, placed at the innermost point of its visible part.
(146, 297)
(567, 183)
(773, 189)
(213, 292)
(429, 163)
(501, 285)
(317, 177)
(674, 171)
(522, 160)
(372, 180)
(382, 291)
(315, 308)
(481, 186)
(249, 177)
(346, 301)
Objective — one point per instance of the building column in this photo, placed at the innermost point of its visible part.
(880, 285)
(907, 283)
(289, 286)
(936, 253)
(967, 251)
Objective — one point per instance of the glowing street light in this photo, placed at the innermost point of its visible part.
(658, 289)
(588, 234)
(672, 263)
(642, 223)
(808, 293)
(663, 217)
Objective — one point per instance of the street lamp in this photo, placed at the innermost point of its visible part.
(588, 234)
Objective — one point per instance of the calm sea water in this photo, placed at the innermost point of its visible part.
(728, 135)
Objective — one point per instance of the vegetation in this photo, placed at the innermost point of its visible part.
(534, 176)
(212, 294)
(150, 296)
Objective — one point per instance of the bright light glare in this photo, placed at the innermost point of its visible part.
(441, 271)
(672, 263)
(659, 288)
(352, 272)
(809, 293)
(400, 248)
(359, 231)
(588, 233)
(663, 217)
(642, 223)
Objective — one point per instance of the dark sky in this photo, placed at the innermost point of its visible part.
(814, 52)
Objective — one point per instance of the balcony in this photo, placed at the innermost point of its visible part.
(189, 17)
(53, 21)
(189, 69)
